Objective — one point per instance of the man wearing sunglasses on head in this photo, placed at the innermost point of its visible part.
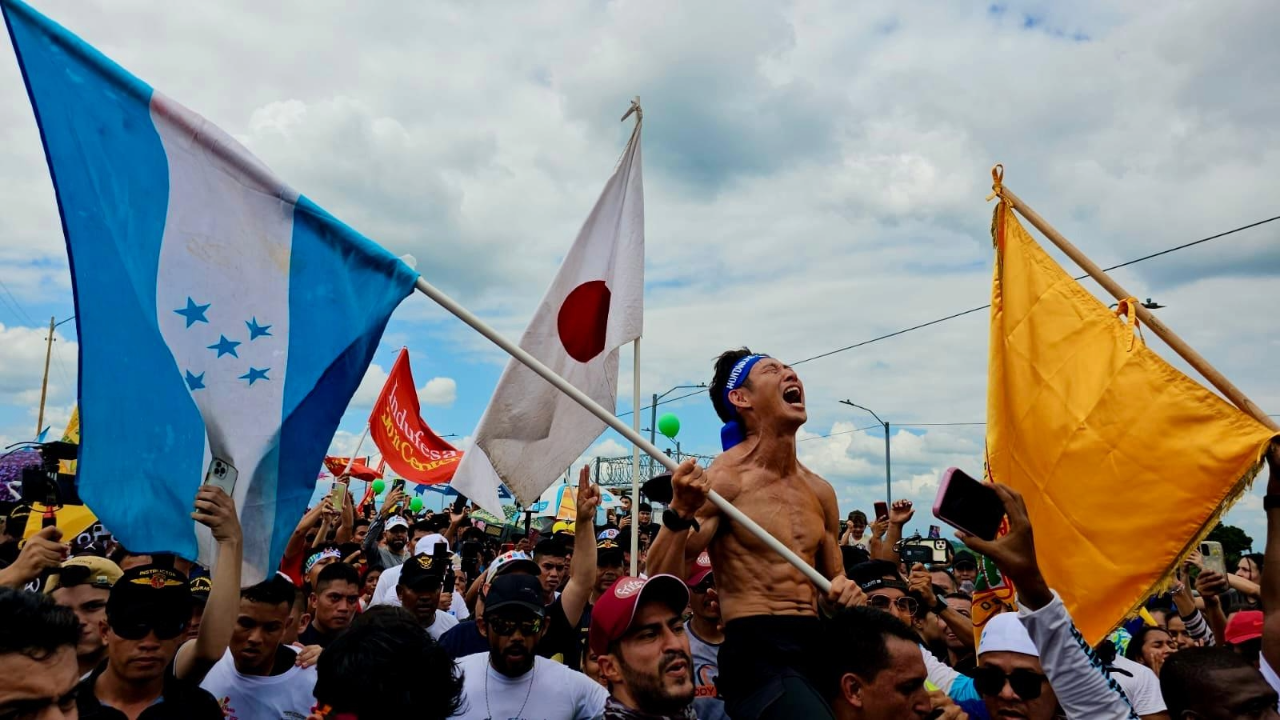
(511, 681)
(1033, 664)
(149, 673)
(147, 615)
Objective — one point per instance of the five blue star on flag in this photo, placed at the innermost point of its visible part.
(193, 313)
(225, 346)
(255, 374)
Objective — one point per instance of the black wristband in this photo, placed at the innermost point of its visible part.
(1270, 501)
(672, 521)
(940, 607)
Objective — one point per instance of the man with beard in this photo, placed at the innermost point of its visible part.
(510, 681)
(84, 584)
(396, 529)
(335, 599)
(639, 642)
(705, 636)
(258, 676)
(421, 578)
(772, 659)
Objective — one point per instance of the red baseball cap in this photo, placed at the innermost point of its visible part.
(701, 569)
(612, 616)
(1244, 626)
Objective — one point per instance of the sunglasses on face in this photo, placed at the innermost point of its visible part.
(505, 627)
(883, 602)
(136, 628)
(702, 587)
(989, 681)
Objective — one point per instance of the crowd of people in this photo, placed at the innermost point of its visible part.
(381, 612)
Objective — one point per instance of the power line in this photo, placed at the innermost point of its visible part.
(970, 311)
(1081, 277)
(842, 432)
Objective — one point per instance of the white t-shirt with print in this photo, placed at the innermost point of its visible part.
(554, 692)
(443, 624)
(1140, 684)
(287, 696)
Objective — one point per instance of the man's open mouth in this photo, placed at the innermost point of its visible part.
(793, 395)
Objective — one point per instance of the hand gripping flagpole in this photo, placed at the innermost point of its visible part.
(620, 427)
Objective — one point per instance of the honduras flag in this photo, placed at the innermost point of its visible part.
(221, 314)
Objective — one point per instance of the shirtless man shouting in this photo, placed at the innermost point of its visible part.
(773, 654)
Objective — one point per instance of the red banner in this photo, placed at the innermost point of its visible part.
(360, 469)
(397, 428)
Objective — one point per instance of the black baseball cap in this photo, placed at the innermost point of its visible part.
(523, 591)
(421, 570)
(149, 591)
(964, 557)
(609, 552)
(201, 587)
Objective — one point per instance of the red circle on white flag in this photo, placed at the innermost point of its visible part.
(583, 320)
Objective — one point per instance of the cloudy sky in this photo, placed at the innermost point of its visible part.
(814, 177)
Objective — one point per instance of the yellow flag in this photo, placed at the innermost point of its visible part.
(71, 435)
(71, 519)
(1124, 462)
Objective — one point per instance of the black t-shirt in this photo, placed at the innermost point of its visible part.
(312, 636)
(563, 642)
(463, 639)
(180, 700)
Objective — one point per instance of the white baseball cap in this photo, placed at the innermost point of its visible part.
(1006, 633)
(396, 522)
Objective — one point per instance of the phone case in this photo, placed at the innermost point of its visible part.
(223, 475)
(942, 492)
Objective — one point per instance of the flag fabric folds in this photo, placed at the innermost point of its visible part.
(407, 443)
(1124, 461)
(359, 469)
(530, 432)
(220, 313)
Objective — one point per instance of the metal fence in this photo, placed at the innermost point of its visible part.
(616, 472)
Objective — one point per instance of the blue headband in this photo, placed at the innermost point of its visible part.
(732, 432)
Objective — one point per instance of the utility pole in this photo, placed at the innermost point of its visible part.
(44, 384)
(888, 490)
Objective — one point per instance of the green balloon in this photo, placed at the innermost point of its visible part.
(415, 504)
(669, 425)
(378, 487)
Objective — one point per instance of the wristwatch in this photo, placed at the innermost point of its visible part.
(672, 521)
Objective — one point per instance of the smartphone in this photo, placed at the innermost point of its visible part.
(338, 495)
(927, 551)
(222, 474)
(969, 505)
(1213, 558)
(882, 510)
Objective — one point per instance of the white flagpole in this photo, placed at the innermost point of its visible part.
(620, 427)
(635, 464)
(352, 460)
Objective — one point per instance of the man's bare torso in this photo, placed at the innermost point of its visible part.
(752, 579)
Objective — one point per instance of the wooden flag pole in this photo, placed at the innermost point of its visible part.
(1170, 338)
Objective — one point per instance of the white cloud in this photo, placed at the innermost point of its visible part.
(439, 391)
(370, 387)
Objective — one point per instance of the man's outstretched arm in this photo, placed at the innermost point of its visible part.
(673, 550)
(582, 574)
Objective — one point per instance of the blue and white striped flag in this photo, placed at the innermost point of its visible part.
(221, 314)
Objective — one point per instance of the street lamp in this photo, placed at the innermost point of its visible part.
(653, 407)
(888, 492)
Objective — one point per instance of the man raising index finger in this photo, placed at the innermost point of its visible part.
(772, 657)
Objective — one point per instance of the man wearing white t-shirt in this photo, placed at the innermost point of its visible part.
(510, 681)
(257, 676)
(421, 578)
(384, 593)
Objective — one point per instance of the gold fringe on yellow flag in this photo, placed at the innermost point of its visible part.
(1125, 463)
